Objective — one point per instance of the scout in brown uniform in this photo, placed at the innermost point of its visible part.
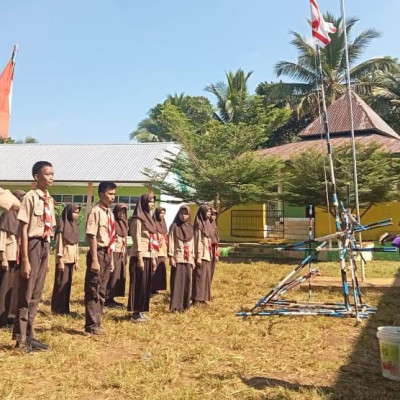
(37, 218)
(214, 241)
(100, 230)
(9, 272)
(143, 257)
(181, 259)
(67, 258)
(201, 289)
(8, 200)
(159, 276)
(116, 282)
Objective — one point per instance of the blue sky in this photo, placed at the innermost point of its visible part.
(89, 70)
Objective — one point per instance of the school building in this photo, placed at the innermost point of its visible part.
(78, 168)
(368, 128)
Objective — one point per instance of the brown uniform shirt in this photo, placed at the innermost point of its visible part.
(97, 225)
(69, 252)
(32, 212)
(201, 245)
(7, 199)
(176, 249)
(120, 244)
(163, 247)
(8, 245)
(141, 240)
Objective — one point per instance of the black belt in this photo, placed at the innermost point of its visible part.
(38, 238)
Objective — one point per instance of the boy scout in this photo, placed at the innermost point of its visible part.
(100, 231)
(37, 219)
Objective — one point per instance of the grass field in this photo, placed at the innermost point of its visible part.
(208, 352)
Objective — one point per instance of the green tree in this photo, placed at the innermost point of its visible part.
(197, 109)
(231, 96)
(284, 95)
(219, 166)
(305, 70)
(28, 139)
(377, 176)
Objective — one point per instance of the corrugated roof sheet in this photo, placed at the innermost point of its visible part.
(365, 119)
(84, 162)
(287, 151)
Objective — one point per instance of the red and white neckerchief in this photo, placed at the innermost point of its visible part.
(47, 217)
(216, 250)
(186, 251)
(110, 229)
(163, 239)
(154, 244)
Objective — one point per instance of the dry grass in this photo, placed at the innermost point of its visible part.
(206, 353)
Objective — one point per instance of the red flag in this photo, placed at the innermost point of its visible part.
(320, 28)
(6, 79)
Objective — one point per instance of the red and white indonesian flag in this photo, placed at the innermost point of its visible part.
(320, 28)
(6, 79)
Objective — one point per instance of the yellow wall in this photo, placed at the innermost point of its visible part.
(374, 214)
(224, 223)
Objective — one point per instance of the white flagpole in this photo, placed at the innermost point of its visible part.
(352, 139)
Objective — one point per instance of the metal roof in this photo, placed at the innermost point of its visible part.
(365, 120)
(287, 151)
(85, 162)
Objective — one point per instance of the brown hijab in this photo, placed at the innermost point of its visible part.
(214, 227)
(182, 230)
(202, 222)
(142, 212)
(121, 224)
(67, 226)
(8, 221)
(161, 225)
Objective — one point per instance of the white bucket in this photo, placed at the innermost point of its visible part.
(389, 343)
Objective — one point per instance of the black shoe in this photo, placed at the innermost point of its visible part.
(24, 347)
(36, 345)
(95, 332)
(113, 304)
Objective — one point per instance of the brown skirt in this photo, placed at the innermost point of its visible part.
(159, 276)
(62, 289)
(181, 276)
(117, 280)
(8, 292)
(201, 284)
(139, 285)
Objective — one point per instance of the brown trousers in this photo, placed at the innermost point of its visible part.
(139, 285)
(62, 289)
(95, 289)
(201, 285)
(117, 280)
(8, 292)
(30, 290)
(181, 279)
(159, 276)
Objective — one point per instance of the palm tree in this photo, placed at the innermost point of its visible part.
(388, 87)
(333, 62)
(231, 96)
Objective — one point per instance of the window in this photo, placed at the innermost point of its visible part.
(67, 198)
